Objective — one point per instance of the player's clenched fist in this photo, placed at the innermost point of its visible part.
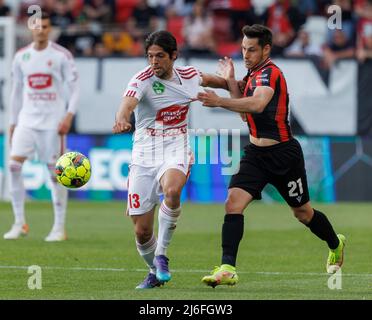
(121, 127)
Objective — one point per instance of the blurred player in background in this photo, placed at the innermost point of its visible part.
(273, 156)
(39, 120)
(161, 155)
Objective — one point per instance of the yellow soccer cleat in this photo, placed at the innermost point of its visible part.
(223, 275)
(336, 256)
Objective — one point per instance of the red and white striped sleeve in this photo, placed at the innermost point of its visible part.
(137, 85)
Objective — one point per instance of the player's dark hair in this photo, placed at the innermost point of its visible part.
(163, 39)
(259, 31)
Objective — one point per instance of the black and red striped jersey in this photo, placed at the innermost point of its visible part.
(273, 122)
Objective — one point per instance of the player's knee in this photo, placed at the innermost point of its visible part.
(173, 194)
(53, 177)
(52, 174)
(303, 214)
(15, 166)
(233, 205)
(143, 233)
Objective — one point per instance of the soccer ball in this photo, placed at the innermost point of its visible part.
(73, 170)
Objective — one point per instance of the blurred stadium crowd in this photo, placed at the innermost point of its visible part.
(203, 28)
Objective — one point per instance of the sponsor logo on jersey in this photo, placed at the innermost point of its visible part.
(26, 56)
(50, 62)
(170, 132)
(265, 75)
(172, 115)
(39, 81)
(42, 96)
(158, 87)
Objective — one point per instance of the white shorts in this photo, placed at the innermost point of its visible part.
(144, 187)
(47, 144)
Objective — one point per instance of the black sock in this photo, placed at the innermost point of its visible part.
(321, 227)
(232, 233)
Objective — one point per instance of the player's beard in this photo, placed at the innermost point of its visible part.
(163, 74)
(260, 61)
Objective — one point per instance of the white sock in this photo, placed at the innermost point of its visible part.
(59, 198)
(147, 252)
(17, 191)
(167, 224)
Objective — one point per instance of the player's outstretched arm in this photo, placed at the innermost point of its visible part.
(224, 74)
(254, 104)
(224, 78)
(213, 81)
(122, 119)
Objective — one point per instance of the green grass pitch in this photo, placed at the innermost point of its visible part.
(279, 258)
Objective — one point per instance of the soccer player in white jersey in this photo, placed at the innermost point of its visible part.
(40, 117)
(159, 96)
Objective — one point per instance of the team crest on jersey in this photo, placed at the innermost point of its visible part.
(158, 87)
(26, 56)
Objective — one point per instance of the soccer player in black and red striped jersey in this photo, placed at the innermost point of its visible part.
(273, 156)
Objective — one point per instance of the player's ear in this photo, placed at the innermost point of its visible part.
(174, 55)
(267, 49)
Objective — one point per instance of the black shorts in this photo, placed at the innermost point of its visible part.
(281, 165)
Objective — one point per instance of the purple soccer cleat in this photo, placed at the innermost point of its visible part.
(162, 270)
(150, 282)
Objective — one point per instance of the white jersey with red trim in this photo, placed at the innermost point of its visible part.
(162, 115)
(39, 76)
